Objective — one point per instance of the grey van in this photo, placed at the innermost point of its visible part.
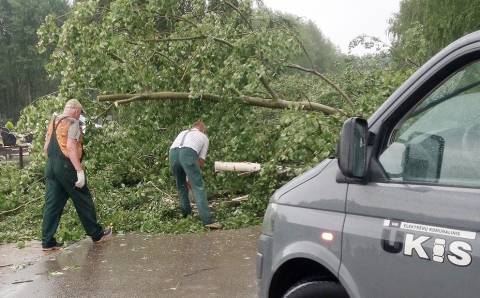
(396, 214)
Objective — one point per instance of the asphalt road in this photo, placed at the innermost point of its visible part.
(213, 264)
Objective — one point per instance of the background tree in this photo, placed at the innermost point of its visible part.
(319, 52)
(422, 27)
(23, 77)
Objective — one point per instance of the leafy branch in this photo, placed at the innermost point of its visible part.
(323, 77)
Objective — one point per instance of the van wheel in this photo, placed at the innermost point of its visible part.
(316, 289)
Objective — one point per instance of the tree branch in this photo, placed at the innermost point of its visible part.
(167, 58)
(285, 104)
(240, 13)
(269, 88)
(323, 77)
(102, 113)
(19, 207)
(120, 99)
(222, 41)
(412, 62)
(115, 57)
(190, 38)
(295, 35)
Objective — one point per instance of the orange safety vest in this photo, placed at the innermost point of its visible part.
(63, 125)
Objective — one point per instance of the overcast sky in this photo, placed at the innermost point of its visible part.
(343, 20)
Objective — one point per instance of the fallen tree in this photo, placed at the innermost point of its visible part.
(138, 48)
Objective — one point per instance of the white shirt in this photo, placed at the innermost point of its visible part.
(192, 138)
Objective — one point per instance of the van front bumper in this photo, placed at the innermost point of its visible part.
(264, 261)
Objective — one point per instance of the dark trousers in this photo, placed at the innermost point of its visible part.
(184, 163)
(60, 179)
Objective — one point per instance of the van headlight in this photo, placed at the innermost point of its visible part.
(269, 219)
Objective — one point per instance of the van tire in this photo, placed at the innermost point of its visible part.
(316, 289)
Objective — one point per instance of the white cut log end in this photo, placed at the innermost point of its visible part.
(240, 199)
(222, 166)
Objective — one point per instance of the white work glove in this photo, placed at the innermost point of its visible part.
(80, 179)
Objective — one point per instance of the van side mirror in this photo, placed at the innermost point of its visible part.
(352, 148)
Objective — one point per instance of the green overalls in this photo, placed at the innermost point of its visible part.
(184, 163)
(60, 183)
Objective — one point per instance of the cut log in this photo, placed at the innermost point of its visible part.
(240, 199)
(222, 166)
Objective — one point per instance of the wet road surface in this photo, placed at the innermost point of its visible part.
(13, 259)
(213, 264)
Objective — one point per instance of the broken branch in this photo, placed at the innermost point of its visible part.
(190, 38)
(19, 207)
(323, 77)
(269, 88)
(120, 99)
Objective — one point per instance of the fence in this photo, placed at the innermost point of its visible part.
(17, 151)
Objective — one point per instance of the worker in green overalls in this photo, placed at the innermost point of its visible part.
(187, 157)
(65, 178)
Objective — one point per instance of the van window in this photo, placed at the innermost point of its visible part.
(438, 141)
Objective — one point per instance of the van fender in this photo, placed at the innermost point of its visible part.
(324, 256)
(348, 282)
(312, 251)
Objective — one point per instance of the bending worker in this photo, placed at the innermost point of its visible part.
(65, 178)
(187, 156)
